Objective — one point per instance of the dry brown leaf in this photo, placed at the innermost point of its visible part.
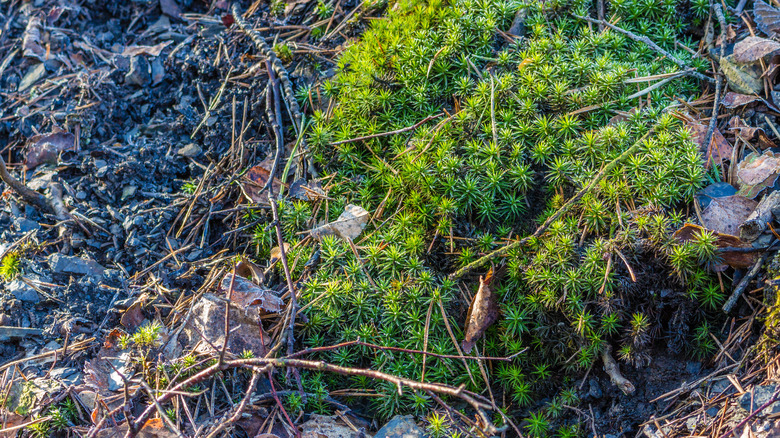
(734, 259)
(251, 271)
(247, 294)
(719, 149)
(483, 312)
(753, 48)
(766, 17)
(757, 172)
(727, 213)
(735, 100)
(253, 182)
(153, 51)
(133, 316)
(750, 133)
(349, 225)
(31, 39)
(45, 148)
(276, 253)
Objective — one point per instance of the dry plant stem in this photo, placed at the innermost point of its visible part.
(273, 100)
(227, 315)
(649, 42)
(611, 368)
(287, 276)
(714, 118)
(539, 231)
(385, 134)
(238, 410)
(401, 350)
(276, 64)
(268, 364)
(28, 195)
(743, 284)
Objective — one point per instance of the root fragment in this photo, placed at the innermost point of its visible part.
(612, 369)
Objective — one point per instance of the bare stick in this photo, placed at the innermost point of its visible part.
(570, 203)
(649, 42)
(28, 195)
(287, 276)
(611, 368)
(227, 315)
(385, 134)
(238, 410)
(268, 363)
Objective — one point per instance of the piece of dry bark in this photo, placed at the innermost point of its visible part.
(757, 222)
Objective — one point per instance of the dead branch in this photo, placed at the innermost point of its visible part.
(612, 369)
(401, 350)
(385, 134)
(267, 364)
(28, 195)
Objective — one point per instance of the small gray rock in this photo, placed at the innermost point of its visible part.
(595, 390)
(62, 264)
(25, 225)
(190, 150)
(23, 292)
(158, 71)
(759, 396)
(400, 427)
(139, 73)
(693, 367)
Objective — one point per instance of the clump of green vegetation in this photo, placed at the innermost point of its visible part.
(9, 267)
(519, 126)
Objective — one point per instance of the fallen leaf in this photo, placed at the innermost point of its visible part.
(753, 48)
(310, 191)
(349, 225)
(719, 149)
(247, 294)
(766, 17)
(133, 316)
(757, 172)
(251, 271)
(31, 39)
(735, 100)
(734, 259)
(749, 133)
(253, 182)
(276, 253)
(743, 78)
(45, 148)
(483, 312)
(208, 322)
(153, 51)
(726, 214)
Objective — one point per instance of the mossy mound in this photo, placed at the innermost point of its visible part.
(523, 124)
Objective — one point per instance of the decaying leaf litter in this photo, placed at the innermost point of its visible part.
(127, 245)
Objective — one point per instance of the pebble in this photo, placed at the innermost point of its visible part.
(62, 264)
(23, 292)
(759, 396)
(139, 72)
(24, 225)
(34, 74)
(400, 427)
(190, 150)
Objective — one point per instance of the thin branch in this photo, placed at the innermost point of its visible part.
(269, 363)
(649, 42)
(28, 195)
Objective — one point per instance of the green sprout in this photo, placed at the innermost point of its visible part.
(9, 267)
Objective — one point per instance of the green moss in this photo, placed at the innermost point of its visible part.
(526, 124)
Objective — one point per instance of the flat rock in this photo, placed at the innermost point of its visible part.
(328, 426)
(24, 225)
(758, 397)
(62, 264)
(23, 291)
(139, 73)
(190, 150)
(400, 426)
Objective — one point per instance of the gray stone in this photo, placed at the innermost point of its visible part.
(34, 74)
(139, 73)
(158, 71)
(328, 426)
(62, 264)
(758, 397)
(23, 292)
(25, 225)
(693, 367)
(190, 150)
(128, 192)
(595, 390)
(400, 427)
